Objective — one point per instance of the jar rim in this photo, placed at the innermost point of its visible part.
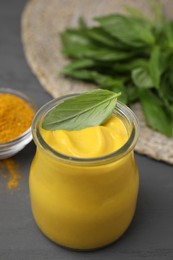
(120, 108)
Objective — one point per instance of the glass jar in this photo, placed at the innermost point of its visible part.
(83, 203)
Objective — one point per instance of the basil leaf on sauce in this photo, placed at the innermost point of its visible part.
(85, 110)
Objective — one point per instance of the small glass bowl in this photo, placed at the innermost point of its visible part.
(12, 147)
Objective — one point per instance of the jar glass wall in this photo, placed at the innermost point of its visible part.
(84, 203)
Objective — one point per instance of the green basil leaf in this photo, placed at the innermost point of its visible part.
(107, 55)
(166, 89)
(154, 66)
(102, 37)
(142, 78)
(77, 65)
(168, 34)
(155, 113)
(128, 66)
(86, 110)
(131, 31)
(98, 54)
(72, 37)
(110, 83)
(82, 74)
(132, 93)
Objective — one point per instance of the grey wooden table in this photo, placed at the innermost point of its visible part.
(150, 235)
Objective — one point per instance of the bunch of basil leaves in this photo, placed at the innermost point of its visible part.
(132, 54)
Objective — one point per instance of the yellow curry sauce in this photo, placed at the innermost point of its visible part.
(89, 142)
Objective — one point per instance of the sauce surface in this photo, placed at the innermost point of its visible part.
(89, 142)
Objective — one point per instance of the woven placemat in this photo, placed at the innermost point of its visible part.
(43, 20)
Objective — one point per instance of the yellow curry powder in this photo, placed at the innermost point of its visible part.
(15, 117)
(9, 168)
